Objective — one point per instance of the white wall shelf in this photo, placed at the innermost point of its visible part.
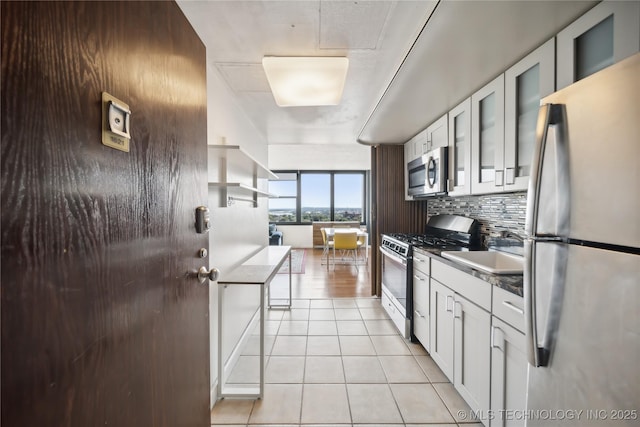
(232, 162)
(239, 159)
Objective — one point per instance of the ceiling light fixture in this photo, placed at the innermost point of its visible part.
(298, 81)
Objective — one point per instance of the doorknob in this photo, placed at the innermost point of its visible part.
(212, 275)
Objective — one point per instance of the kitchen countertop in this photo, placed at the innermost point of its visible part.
(509, 282)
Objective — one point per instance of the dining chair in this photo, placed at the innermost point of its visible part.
(362, 244)
(346, 242)
(327, 245)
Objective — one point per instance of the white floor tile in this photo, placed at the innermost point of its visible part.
(356, 346)
(289, 346)
(323, 327)
(322, 314)
(419, 403)
(323, 346)
(454, 402)
(324, 370)
(293, 327)
(296, 314)
(390, 345)
(325, 404)
(381, 327)
(344, 303)
(280, 405)
(372, 403)
(340, 363)
(368, 302)
(347, 314)
(402, 369)
(351, 327)
(231, 411)
(300, 303)
(253, 345)
(374, 313)
(363, 370)
(321, 303)
(285, 370)
(432, 370)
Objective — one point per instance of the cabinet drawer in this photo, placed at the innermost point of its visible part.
(421, 262)
(421, 325)
(476, 290)
(509, 308)
(420, 288)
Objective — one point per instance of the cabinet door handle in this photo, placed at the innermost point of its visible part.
(457, 310)
(418, 313)
(493, 338)
(510, 305)
(449, 298)
(415, 276)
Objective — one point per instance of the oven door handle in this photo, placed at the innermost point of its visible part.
(393, 256)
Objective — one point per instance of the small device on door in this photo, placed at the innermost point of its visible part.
(202, 220)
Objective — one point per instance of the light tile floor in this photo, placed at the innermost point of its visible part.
(339, 363)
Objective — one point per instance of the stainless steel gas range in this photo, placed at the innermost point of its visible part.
(445, 232)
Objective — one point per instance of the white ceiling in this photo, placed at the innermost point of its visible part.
(401, 77)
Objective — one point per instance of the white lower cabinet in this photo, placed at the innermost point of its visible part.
(508, 374)
(421, 309)
(442, 327)
(472, 355)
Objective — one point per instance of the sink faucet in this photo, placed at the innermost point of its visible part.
(507, 233)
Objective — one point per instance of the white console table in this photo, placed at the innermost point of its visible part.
(258, 270)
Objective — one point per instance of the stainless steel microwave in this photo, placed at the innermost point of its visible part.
(427, 175)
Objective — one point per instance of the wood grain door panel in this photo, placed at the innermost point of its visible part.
(102, 323)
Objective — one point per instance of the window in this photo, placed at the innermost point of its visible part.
(308, 196)
(283, 209)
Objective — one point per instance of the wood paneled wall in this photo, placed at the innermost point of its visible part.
(390, 212)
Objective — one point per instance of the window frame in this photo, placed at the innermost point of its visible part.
(332, 208)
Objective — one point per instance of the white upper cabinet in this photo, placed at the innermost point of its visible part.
(525, 84)
(460, 149)
(416, 146)
(437, 134)
(487, 138)
(601, 37)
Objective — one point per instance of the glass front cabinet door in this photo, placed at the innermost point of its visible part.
(525, 84)
(487, 138)
(606, 34)
(460, 149)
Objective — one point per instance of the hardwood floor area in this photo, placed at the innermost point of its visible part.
(341, 281)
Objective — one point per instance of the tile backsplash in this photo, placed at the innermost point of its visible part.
(494, 212)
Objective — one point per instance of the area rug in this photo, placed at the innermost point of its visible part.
(297, 261)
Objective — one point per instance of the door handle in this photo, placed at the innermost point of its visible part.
(449, 298)
(212, 274)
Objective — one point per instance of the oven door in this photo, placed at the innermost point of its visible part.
(395, 290)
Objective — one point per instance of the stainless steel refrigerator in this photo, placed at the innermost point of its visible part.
(582, 275)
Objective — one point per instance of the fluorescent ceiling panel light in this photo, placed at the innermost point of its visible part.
(306, 81)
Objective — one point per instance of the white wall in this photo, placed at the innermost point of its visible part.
(240, 230)
(297, 236)
(320, 157)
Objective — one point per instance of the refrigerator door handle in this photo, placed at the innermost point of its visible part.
(539, 351)
(542, 127)
(530, 323)
(548, 115)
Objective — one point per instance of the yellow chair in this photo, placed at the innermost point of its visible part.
(346, 242)
(327, 245)
(362, 243)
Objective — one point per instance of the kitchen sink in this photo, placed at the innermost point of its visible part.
(489, 261)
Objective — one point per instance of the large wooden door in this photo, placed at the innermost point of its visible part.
(103, 323)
